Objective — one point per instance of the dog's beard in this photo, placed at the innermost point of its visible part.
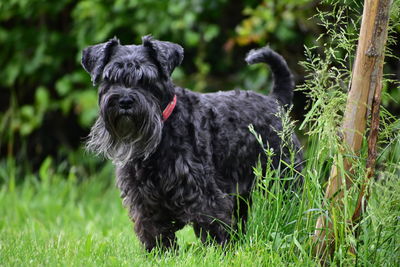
(126, 135)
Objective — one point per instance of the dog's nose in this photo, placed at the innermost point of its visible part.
(125, 102)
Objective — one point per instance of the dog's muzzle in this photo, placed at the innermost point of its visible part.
(125, 102)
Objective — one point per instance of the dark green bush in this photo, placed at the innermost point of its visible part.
(47, 102)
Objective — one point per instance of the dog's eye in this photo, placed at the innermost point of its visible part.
(103, 90)
(119, 65)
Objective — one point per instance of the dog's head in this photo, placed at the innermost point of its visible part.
(131, 64)
(134, 87)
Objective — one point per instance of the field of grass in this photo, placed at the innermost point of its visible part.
(49, 219)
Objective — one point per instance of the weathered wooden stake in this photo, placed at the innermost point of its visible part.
(366, 81)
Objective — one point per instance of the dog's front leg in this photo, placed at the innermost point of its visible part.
(215, 220)
(156, 234)
(211, 231)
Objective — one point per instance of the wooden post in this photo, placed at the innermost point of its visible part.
(366, 80)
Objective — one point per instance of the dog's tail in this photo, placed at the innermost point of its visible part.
(283, 78)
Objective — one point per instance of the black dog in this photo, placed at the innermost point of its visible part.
(181, 157)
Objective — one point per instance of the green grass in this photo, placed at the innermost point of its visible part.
(52, 220)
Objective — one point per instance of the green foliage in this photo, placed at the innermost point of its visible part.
(41, 43)
(68, 211)
(42, 82)
(277, 18)
(328, 79)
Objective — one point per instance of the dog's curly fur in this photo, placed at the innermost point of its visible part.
(192, 167)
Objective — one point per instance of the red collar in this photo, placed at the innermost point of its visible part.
(168, 110)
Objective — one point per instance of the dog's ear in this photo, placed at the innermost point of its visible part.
(168, 55)
(96, 57)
